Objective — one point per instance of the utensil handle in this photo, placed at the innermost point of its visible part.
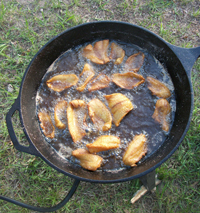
(28, 149)
(187, 56)
(43, 209)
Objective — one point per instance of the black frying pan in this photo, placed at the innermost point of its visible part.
(178, 61)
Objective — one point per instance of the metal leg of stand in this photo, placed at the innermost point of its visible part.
(149, 182)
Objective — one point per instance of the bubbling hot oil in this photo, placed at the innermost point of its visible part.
(138, 121)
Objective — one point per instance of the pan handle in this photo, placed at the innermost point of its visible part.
(45, 209)
(28, 149)
(187, 56)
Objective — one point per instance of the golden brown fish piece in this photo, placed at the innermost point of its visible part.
(98, 52)
(59, 83)
(135, 150)
(76, 115)
(120, 105)
(162, 109)
(78, 103)
(134, 62)
(157, 88)
(117, 53)
(86, 75)
(104, 143)
(60, 113)
(46, 124)
(127, 80)
(88, 52)
(99, 114)
(87, 160)
(100, 82)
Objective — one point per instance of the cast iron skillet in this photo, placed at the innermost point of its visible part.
(178, 62)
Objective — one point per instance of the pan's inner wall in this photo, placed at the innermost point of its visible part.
(91, 32)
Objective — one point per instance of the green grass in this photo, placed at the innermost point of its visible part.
(24, 28)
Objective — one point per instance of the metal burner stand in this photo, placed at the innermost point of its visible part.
(149, 181)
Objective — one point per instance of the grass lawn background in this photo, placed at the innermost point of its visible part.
(25, 26)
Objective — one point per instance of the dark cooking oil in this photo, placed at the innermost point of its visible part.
(138, 121)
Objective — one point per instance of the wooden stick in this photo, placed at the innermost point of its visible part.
(142, 191)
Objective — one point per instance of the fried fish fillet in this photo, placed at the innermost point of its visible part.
(76, 115)
(158, 88)
(98, 52)
(60, 113)
(46, 124)
(127, 80)
(162, 109)
(117, 53)
(135, 150)
(88, 52)
(59, 83)
(119, 105)
(134, 62)
(87, 160)
(104, 143)
(86, 75)
(99, 114)
(100, 82)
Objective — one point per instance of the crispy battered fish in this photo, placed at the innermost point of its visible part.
(135, 150)
(127, 80)
(162, 109)
(100, 50)
(117, 53)
(100, 82)
(59, 83)
(119, 105)
(88, 52)
(87, 160)
(98, 53)
(46, 124)
(134, 62)
(60, 113)
(157, 88)
(76, 115)
(104, 143)
(99, 114)
(86, 75)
